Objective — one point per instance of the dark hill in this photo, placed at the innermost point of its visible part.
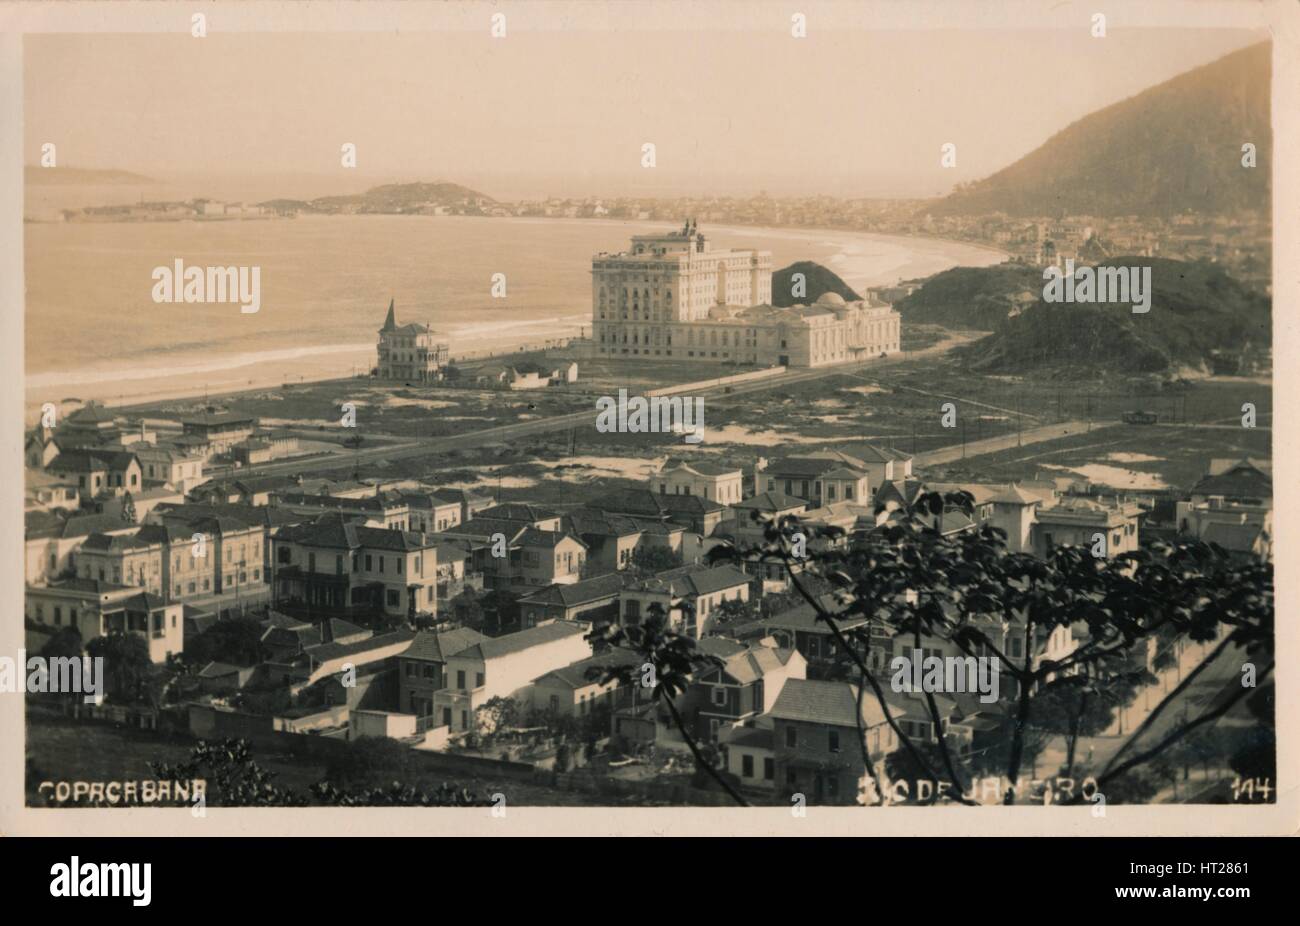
(1200, 320)
(817, 280)
(979, 298)
(1173, 148)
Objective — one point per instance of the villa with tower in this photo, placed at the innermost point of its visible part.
(409, 353)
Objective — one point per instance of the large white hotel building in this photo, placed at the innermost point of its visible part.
(672, 295)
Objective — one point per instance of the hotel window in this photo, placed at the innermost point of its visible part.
(478, 679)
(719, 696)
(791, 737)
(460, 678)
(769, 769)
(834, 741)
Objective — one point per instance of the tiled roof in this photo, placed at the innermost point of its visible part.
(94, 413)
(532, 537)
(754, 662)
(574, 675)
(338, 533)
(1236, 537)
(519, 511)
(329, 651)
(703, 467)
(578, 593)
(1014, 495)
(437, 647)
(771, 501)
(651, 504)
(825, 702)
(496, 647)
(85, 461)
(1241, 481)
(695, 580)
(804, 617)
(751, 737)
(113, 543)
(92, 586)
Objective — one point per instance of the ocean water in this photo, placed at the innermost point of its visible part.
(94, 331)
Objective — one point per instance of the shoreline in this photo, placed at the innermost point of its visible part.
(127, 391)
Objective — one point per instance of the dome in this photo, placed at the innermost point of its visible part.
(831, 299)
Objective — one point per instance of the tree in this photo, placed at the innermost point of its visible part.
(237, 640)
(735, 611)
(65, 644)
(126, 665)
(651, 560)
(1084, 704)
(912, 581)
(500, 611)
(497, 714)
(128, 508)
(665, 662)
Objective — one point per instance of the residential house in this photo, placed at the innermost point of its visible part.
(613, 539)
(174, 466)
(743, 688)
(579, 689)
(335, 564)
(594, 601)
(98, 472)
(389, 510)
(505, 667)
(45, 492)
(96, 609)
(219, 431)
(512, 554)
(676, 476)
(693, 512)
(429, 513)
(801, 629)
(40, 448)
(688, 596)
(422, 666)
(199, 560)
(51, 541)
(818, 749)
(818, 477)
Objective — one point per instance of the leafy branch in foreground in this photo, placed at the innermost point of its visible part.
(914, 578)
(666, 662)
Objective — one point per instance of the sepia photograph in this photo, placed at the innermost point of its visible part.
(714, 412)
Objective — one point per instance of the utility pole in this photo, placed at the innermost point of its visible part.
(963, 438)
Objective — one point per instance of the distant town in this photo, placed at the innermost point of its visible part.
(1241, 244)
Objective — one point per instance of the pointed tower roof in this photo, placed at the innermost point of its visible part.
(390, 323)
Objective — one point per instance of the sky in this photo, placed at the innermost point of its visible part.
(849, 113)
